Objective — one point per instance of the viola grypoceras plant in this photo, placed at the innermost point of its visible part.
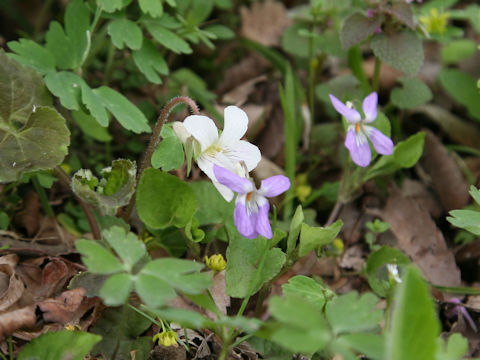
(225, 150)
(252, 206)
(358, 133)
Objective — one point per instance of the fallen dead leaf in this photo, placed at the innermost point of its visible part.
(17, 319)
(264, 22)
(222, 300)
(419, 238)
(11, 287)
(29, 217)
(248, 68)
(446, 177)
(239, 94)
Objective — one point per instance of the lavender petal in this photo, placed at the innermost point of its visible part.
(232, 180)
(382, 143)
(369, 106)
(359, 148)
(274, 186)
(352, 115)
(263, 224)
(244, 222)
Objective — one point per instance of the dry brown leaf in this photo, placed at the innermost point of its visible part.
(248, 68)
(419, 237)
(10, 259)
(446, 177)
(17, 319)
(11, 287)
(67, 308)
(222, 300)
(239, 94)
(29, 217)
(264, 22)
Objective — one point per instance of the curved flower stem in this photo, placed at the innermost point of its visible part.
(87, 209)
(155, 140)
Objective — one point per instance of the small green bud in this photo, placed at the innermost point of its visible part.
(216, 262)
(167, 338)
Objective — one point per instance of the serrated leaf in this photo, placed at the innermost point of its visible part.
(221, 32)
(169, 153)
(413, 93)
(124, 111)
(462, 87)
(357, 27)
(115, 290)
(150, 62)
(120, 329)
(403, 12)
(243, 257)
(126, 245)
(113, 191)
(415, 325)
(168, 38)
(301, 328)
(152, 7)
(60, 345)
(371, 345)
(314, 237)
(466, 219)
(376, 270)
(352, 313)
(164, 200)
(112, 5)
(170, 274)
(94, 104)
(455, 348)
(475, 194)
(91, 127)
(124, 31)
(66, 86)
(31, 54)
(305, 287)
(403, 51)
(97, 258)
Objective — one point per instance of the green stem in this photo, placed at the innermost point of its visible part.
(42, 195)
(155, 140)
(109, 64)
(376, 74)
(87, 209)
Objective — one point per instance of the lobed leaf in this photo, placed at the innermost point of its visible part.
(315, 237)
(150, 62)
(358, 27)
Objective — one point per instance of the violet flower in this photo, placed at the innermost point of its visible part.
(251, 206)
(358, 133)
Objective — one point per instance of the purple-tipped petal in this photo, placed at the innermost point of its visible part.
(232, 180)
(359, 148)
(352, 115)
(370, 107)
(263, 224)
(467, 317)
(244, 222)
(382, 143)
(274, 186)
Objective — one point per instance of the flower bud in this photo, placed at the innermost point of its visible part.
(216, 262)
(167, 338)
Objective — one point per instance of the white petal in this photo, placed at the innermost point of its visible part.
(236, 124)
(202, 129)
(244, 151)
(205, 163)
(181, 131)
(224, 191)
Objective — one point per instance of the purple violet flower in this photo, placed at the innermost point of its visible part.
(358, 133)
(251, 206)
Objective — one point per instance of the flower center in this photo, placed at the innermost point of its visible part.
(249, 196)
(212, 150)
(357, 127)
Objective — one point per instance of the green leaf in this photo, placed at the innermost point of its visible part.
(305, 287)
(376, 270)
(94, 104)
(357, 27)
(114, 189)
(60, 345)
(31, 54)
(168, 38)
(97, 258)
(371, 345)
(465, 219)
(314, 237)
(456, 348)
(169, 153)
(158, 280)
(92, 283)
(295, 226)
(115, 289)
(112, 5)
(475, 194)
(352, 313)
(126, 245)
(463, 88)
(243, 257)
(120, 329)
(4, 220)
(402, 50)
(413, 93)
(150, 62)
(124, 31)
(152, 7)
(301, 328)
(70, 47)
(458, 50)
(91, 127)
(164, 200)
(193, 232)
(221, 32)
(126, 113)
(66, 86)
(212, 207)
(415, 325)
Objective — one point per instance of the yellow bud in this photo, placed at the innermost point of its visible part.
(71, 327)
(66, 168)
(167, 338)
(216, 262)
(435, 22)
(338, 245)
(302, 192)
